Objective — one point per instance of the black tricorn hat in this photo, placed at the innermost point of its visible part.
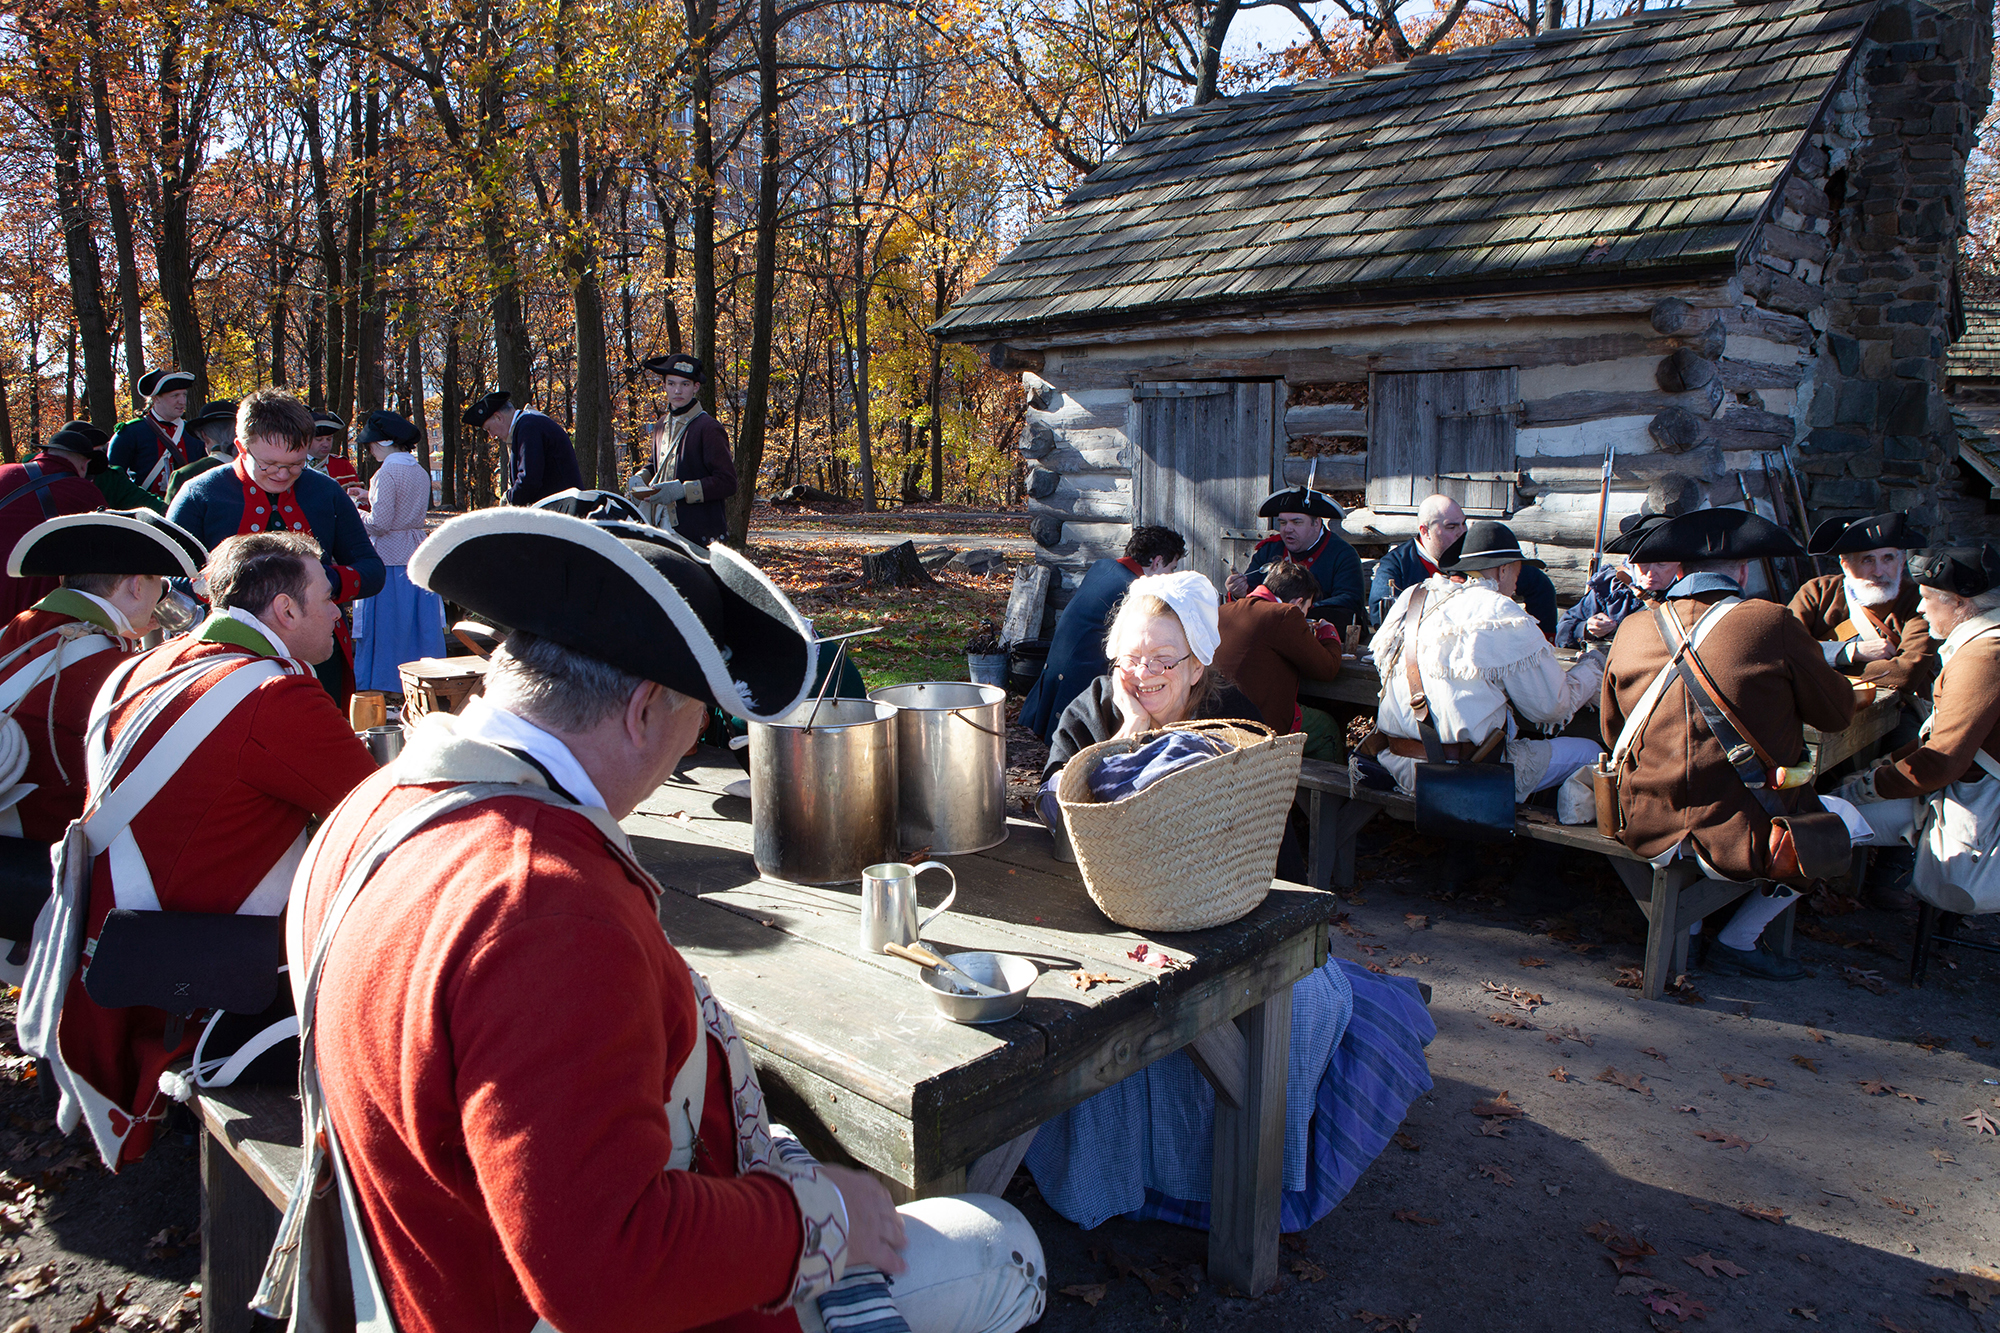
(219, 410)
(327, 423)
(1632, 529)
(1846, 536)
(631, 596)
(678, 363)
(78, 437)
(485, 406)
(107, 541)
(1713, 534)
(389, 428)
(1301, 500)
(1965, 570)
(1485, 544)
(596, 506)
(156, 382)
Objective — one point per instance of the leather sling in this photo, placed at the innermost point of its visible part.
(1466, 799)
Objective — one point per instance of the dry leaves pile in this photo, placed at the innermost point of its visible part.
(1630, 1082)
(1869, 981)
(1974, 1290)
(1526, 1001)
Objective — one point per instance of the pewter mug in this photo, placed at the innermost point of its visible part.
(889, 903)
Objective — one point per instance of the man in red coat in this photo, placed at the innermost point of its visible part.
(545, 1116)
(1268, 646)
(209, 818)
(54, 657)
(47, 485)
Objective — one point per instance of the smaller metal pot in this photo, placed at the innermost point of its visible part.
(1002, 971)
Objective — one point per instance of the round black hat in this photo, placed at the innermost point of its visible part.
(1846, 536)
(156, 382)
(596, 506)
(485, 406)
(1713, 534)
(678, 363)
(1301, 500)
(631, 596)
(1485, 544)
(107, 541)
(1965, 570)
(78, 437)
(389, 428)
(220, 410)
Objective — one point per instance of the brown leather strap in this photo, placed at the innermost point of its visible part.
(1456, 752)
(1413, 616)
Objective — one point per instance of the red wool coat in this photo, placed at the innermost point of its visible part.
(31, 504)
(500, 1022)
(236, 808)
(64, 701)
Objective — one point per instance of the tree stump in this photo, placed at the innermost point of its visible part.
(897, 567)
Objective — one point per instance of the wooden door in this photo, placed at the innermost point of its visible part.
(1209, 452)
(1443, 432)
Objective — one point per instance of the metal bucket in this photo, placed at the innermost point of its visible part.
(823, 802)
(951, 748)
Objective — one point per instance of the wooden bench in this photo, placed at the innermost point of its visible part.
(1673, 897)
(249, 1159)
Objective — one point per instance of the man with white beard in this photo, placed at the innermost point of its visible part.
(1867, 617)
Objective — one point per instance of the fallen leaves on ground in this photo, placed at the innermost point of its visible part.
(1979, 1122)
(1371, 949)
(1726, 1140)
(1574, 1033)
(1815, 1034)
(1511, 1021)
(1307, 1270)
(1494, 1173)
(1413, 1217)
(1491, 1129)
(1417, 958)
(1416, 922)
(1631, 978)
(1752, 1211)
(1869, 981)
(1559, 1074)
(1975, 1289)
(1497, 1106)
(1683, 990)
(1638, 1284)
(96, 1317)
(1746, 1080)
(1806, 1063)
(1090, 1293)
(1352, 931)
(1688, 1110)
(1895, 1327)
(1807, 1312)
(168, 1243)
(1527, 1001)
(1534, 962)
(1406, 1143)
(1616, 1241)
(1085, 980)
(1630, 1082)
(1382, 1323)
(1676, 1303)
(1899, 1206)
(42, 1280)
(1875, 1087)
(1710, 1265)
(1942, 1158)
(1647, 1050)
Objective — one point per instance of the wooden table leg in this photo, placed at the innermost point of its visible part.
(238, 1225)
(1246, 1188)
(1323, 838)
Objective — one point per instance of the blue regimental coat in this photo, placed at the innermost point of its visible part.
(1331, 560)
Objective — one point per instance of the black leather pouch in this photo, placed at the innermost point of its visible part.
(1471, 802)
(185, 962)
(26, 877)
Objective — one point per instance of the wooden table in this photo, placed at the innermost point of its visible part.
(853, 1056)
(1829, 749)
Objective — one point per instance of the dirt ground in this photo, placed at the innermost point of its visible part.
(1806, 1146)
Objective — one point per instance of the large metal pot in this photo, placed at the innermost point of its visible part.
(951, 752)
(823, 798)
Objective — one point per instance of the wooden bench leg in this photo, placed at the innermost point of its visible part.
(1662, 925)
(990, 1173)
(238, 1225)
(1322, 833)
(1248, 1180)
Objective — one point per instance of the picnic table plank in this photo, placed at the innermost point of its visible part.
(249, 1158)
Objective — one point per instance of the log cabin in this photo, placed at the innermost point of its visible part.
(1718, 239)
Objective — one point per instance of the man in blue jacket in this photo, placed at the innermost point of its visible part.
(1076, 655)
(1616, 591)
(541, 459)
(269, 488)
(1303, 537)
(1440, 522)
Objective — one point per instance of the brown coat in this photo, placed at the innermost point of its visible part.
(1821, 606)
(1966, 720)
(1266, 647)
(1772, 678)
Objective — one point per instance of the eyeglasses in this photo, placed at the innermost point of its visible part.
(1157, 666)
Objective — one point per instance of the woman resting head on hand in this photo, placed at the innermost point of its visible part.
(1161, 643)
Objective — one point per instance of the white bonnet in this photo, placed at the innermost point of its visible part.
(1195, 600)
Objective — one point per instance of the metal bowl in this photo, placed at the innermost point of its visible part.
(1002, 971)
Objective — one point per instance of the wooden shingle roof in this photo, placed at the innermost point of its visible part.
(1976, 355)
(1585, 156)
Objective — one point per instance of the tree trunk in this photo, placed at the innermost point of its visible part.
(414, 328)
(119, 208)
(86, 273)
(750, 431)
(1212, 37)
(181, 134)
(7, 451)
(898, 567)
(587, 305)
(326, 351)
(371, 318)
(863, 289)
(281, 299)
(451, 431)
(702, 188)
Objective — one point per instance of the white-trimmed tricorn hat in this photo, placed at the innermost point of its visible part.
(156, 382)
(631, 596)
(107, 541)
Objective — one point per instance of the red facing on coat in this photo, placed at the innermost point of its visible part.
(58, 773)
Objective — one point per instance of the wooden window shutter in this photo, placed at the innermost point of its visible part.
(1209, 451)
(1443, 432)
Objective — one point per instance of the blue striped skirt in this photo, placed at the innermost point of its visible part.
(399, 624)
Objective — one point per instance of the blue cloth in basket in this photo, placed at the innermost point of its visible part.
(1144, 1147)
(1128, 774)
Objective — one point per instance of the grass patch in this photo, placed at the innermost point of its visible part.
(924, 630)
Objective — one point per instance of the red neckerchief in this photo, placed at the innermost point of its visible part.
(1262, 593)
(259, 504)
(1430, 565)
(1132, 565)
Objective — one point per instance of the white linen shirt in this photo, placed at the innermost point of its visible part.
(398, 498)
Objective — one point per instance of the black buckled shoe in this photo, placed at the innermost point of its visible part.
(1758, 962)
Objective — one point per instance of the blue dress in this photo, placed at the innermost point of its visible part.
(1076, 655)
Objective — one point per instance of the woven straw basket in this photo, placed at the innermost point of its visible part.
(1197, 848)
